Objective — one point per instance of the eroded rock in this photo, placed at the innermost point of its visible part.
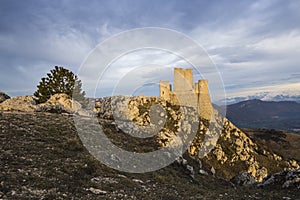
(19, 103)
(243, 179)
(97, 191)
(60, 103)
(285, 179)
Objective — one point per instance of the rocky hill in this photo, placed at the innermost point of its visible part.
(229, 149)
(43, 157)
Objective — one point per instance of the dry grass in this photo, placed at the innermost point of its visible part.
(283, 143)
(42, 157)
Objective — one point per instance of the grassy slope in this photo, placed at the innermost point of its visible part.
(283, 143)
(42, 157)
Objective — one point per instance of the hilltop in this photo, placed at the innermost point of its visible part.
(43, 156)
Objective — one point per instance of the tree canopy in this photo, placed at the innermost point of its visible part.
(60, 80)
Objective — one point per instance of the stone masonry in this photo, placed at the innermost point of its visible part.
(187, 93)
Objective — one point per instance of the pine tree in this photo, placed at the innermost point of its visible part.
(60, 80)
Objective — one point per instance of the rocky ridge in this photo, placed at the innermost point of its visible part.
(44, 158)
(218, 144)
(231, 151)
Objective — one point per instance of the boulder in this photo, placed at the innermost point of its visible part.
(180, 160)
(19, 103)
(243, 179)
(203, 172)
(60, 103)
(3, 97)
(190, 170)
(97, 191)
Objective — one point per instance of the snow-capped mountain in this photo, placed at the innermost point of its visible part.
(265, 96)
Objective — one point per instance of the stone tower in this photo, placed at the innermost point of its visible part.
(183, 87)
(183, 79)
(186, 93)
(203, 99)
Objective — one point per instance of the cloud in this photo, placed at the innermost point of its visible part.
(254, 44)
(255, 52)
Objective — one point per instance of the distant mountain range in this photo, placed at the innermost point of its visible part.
(284, 115)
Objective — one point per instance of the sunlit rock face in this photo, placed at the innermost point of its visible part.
(60, 103)
(217, 143)
(19, 103)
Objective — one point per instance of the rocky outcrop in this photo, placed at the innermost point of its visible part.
(243, 179)
(19, 103)
(59, 103)
(190, 169)
(3, 97)
(149, 116)
(218, 143)
(236, 152)
(285, 179)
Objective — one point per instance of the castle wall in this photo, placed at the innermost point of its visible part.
(165, 90)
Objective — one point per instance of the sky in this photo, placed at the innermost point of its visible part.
(254, 45)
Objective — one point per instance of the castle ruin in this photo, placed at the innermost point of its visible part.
(187, 93)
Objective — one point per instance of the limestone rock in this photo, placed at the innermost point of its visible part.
(191, 170)
(51, 108)
(285, 179)
(97, 106)
(277, 157)
(294, 164)
(220, 154)
(60, 103)
(19, 103)
(203, 172)
(261, 173)
(218, 139)
(97, 191)
(213, 171)
(180, 160)
(3, 97)
(243, 179)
